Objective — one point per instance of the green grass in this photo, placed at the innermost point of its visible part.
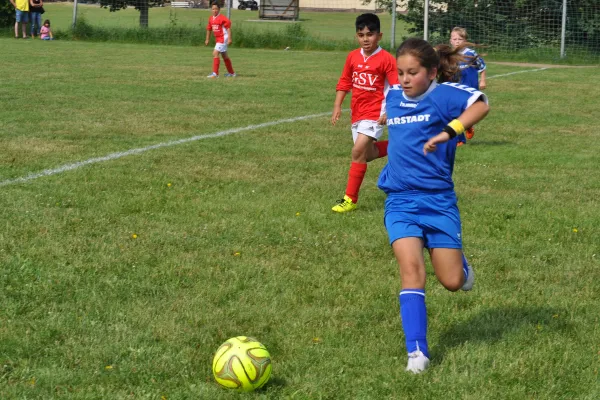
(234, 234)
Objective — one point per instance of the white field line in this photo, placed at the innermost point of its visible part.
(517, 72)
(139, 150)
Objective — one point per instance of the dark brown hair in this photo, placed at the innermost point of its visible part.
(368, 20)
(443, 57)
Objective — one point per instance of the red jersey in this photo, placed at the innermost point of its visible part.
(219, 25)
(368, 78)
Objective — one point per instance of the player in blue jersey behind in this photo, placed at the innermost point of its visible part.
(424, 117)
(472, 71)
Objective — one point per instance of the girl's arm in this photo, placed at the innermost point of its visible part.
(472, 115)
(229, 39)
(207, 38)
(482, 84)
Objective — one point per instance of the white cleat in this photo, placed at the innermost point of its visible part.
(468, 285)
(417, 362)
(212, 76)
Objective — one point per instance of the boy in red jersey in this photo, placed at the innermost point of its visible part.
(368, 72)
(221, 29)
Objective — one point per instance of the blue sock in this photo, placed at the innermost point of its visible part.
(465, 264)
(414, 319)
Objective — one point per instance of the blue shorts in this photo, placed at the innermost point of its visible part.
(432, 217)
(22, 16)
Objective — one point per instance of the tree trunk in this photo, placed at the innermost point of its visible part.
(144, 16)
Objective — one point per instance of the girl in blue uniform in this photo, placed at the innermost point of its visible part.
(471, 69)
(425, 113)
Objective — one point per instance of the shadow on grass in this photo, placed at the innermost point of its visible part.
(483, 142)
(274, 385)
(492, 325)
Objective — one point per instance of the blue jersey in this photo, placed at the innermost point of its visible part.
(411, 123)
(471, 68)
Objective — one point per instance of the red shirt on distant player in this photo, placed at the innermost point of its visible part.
(368, 78)
(219, 25)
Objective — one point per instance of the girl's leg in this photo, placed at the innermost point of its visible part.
(409, 254)
(228, 64)
(452, 269)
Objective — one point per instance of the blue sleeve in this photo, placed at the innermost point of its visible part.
(455, 99)
(475, 60)
(479, 63)
(393, 91)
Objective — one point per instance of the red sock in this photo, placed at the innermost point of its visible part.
(355, 178)
(229, 66)
(382, 147)
(216, 63)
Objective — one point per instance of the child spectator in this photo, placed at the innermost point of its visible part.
(368, 72)
(46, 32)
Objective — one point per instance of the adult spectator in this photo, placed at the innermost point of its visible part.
(22, 16)
(36, 9)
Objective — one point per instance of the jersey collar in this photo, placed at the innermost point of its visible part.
(362, 52)
(433, 85)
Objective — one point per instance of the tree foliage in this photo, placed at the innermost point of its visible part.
(141, 5)
(7, 14)
(520, 23)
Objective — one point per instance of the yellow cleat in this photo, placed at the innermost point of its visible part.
(344, 205)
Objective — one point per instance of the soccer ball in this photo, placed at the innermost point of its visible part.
(242, 363)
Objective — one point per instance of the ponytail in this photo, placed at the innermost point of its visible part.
(443, 57)
(449, 59)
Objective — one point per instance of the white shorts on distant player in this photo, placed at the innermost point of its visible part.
(367, 127)
(221, 47)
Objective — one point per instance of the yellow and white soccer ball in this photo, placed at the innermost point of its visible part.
(242, 363)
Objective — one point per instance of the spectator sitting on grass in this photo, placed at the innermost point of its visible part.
(46, 32)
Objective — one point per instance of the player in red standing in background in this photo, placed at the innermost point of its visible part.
(220, 26)
(368, 73)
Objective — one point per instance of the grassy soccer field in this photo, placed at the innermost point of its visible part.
(123, 270)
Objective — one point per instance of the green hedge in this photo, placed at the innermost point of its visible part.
(293, 36)
(7, 14)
